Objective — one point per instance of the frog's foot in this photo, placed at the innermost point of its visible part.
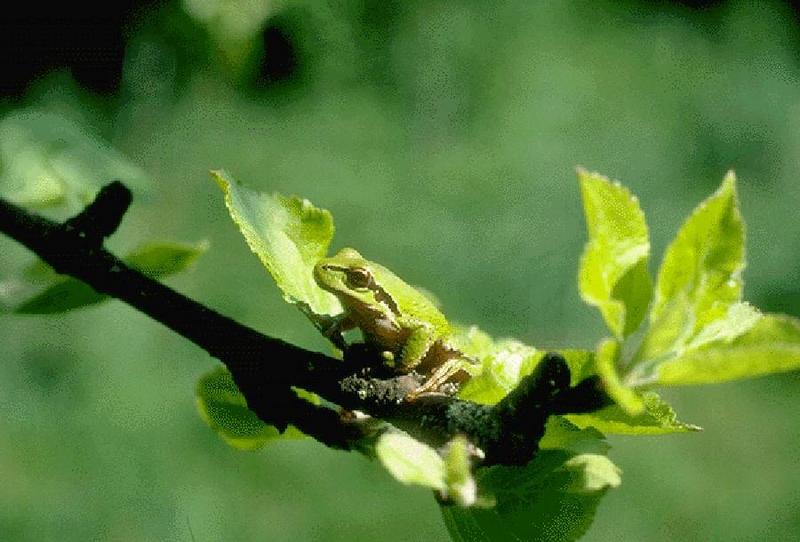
(440, 379)
(332, 327)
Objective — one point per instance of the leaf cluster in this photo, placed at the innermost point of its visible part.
(688, 326)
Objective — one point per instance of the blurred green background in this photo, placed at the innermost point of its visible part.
(443, 136)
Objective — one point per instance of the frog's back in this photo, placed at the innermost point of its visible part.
(413, 302)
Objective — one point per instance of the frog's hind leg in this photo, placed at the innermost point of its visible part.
(417, 347)
(442, 375)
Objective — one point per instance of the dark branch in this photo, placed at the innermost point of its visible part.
(265, 368)
(102, 217)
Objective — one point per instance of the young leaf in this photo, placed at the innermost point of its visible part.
(461, 488)
(553, 498)
(561, 434)
(48, 160)
(503, 363)
(606, 365)
(658, 418)
(502, 367)
(699, 278)
(772, 345)
(42, 291)
(411, 461)
(222, 406)
(613, 272)
(289, 235)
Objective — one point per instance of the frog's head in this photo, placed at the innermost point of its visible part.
(348, 276)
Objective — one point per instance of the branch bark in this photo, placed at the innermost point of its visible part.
(265, 368)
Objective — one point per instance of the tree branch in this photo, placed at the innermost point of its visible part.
(265, 368)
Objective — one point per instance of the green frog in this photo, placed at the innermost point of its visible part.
(402, 322)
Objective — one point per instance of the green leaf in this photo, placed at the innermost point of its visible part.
(289, 235)
(700, 277)
(163, 259)
(63, 295)
(581, 363)
(411, 461)
(562, 434)
(501, 369)
(606, 365)
(658, 418)
(553, 498)
(461, 488)
(613, 272)
(772, 345)
(503, 363)
(48, 160)
(739, 318)
(42, 291)
(222, 406)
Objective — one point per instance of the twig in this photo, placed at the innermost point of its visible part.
(265, 368)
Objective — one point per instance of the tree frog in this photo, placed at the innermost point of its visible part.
(392, 315)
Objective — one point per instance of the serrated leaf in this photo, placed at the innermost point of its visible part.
(410, 461)
(562, 434)
(613, 273)
(501, 369)
(471, 340)
(772, 345)
(222, 406)
(606, 364)
(503, 363)
(739, 318)
(289, 235)
(48, 160)
(658, 418)
(553, 498)
(42, 291)
(700, 277)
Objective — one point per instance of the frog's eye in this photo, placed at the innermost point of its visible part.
(358, 277)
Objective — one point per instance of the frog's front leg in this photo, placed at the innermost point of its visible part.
(331, 327)
(418, 343)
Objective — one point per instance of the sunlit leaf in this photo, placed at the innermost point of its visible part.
(501, 369)
(503, 363)
(700, 277)
(224, 409)
(562, 434)
(460, 486)
(772, 345)
(658, 418)
(411, 461)
(613, 272)
(606, 365)
(289, 235)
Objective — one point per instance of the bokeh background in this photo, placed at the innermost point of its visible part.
(443, 136)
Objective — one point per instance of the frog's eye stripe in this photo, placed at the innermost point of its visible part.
(382, 297)
(358, 277)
